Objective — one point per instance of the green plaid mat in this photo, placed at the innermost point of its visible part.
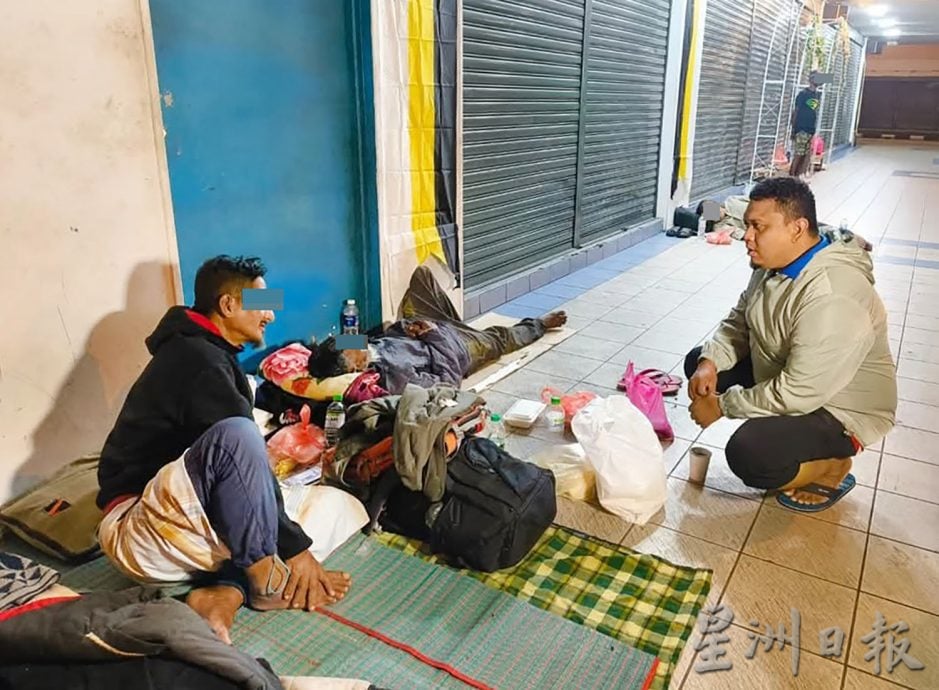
(641, 600)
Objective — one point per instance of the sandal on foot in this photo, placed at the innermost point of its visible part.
(269, 596)
(833, 496)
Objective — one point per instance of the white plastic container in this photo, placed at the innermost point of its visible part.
(524, 413)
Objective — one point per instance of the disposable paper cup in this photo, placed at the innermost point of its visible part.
(700, 459)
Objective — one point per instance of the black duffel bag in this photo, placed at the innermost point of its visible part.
(495, 508)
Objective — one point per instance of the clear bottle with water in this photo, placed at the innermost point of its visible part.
(497, 430)
(335, 418)
(350, 318)
(556, 415)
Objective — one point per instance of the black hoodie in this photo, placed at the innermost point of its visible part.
(193, 381)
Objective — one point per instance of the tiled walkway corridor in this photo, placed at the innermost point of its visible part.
(877, 551)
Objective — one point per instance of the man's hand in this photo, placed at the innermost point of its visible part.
(705, 410)
(416, 329)
(704, 380)
(310, 585)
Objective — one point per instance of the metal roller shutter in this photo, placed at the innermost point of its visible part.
(721, 95)
(843, 130)
(624, 96)
(521, 111)
(773, 24)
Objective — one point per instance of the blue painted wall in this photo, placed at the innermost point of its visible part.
(270, 140)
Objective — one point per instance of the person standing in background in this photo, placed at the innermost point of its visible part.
(804, 122)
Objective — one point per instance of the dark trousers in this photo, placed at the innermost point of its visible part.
(229, 470)
(766, 452)
(425, 299)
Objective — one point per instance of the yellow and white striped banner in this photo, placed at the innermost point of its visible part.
(414, 66)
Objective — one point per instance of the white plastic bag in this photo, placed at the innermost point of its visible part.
(574, 477)
(626, 456)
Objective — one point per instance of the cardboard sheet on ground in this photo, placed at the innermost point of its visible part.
(488, 376)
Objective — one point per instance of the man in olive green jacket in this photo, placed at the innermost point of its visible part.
(804, 356)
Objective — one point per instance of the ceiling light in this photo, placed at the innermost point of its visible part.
(885, 22)
(877, 10)
(893, 32)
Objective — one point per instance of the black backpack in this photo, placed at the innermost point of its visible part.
(495, 508)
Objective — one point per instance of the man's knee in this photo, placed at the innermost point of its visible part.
(738, 450)
(234, 429)
(749, 457)
(235, 439)
(423, 271)
(228, 465)
(691, 361)
(422, 277)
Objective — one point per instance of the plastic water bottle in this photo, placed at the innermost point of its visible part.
(497, 430)
(350, 318)
(556, 415)
(335, 418)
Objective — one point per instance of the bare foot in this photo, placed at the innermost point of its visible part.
(555, 319)
(831, 479)
(217, 605)
(340, 582)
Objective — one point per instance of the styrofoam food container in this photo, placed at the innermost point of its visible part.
(524, 413)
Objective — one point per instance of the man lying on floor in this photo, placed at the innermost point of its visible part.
(429, 344)
(804, 356)
(185, 481)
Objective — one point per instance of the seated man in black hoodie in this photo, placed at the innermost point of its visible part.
(185, 482)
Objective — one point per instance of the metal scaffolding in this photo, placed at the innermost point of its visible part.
(831, 95)
(773, 93)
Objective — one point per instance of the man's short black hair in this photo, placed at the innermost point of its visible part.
(793, 196)
(224, 274)
(325, 360)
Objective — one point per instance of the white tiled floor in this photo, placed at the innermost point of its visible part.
(878, 550)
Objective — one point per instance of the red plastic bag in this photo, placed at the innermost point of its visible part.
(298, 444)
(646, 395)
(571, 403)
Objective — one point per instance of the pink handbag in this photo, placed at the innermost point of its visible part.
(646, 395)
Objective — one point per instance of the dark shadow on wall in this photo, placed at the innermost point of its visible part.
(85, 407)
